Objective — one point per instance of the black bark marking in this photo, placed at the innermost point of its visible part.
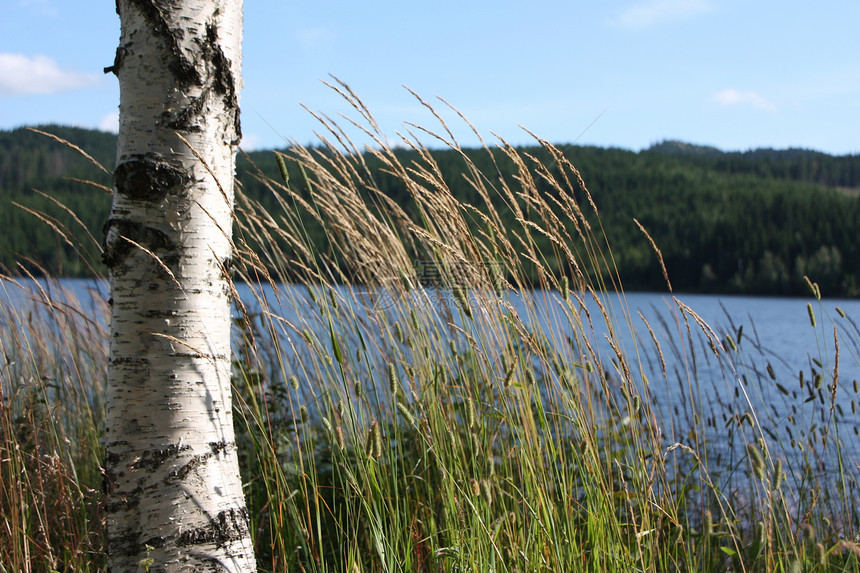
(223, 80)
(153, 459)
(109, 476)
(147, 178)
(121, 52)
(125, 544)
(216, 447)
(112, 458)
(219, 79)
(183, 472)
(129, 501)
(184, 119)
(227, 266)
(160, 313)
(117, 248)
(136, 360)
(184, 70)
(229, 525)
(155, 542)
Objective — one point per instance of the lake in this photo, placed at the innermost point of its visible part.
(769, 368)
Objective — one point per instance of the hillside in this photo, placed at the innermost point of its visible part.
(740, 222)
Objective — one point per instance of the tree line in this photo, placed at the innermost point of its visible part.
(752, 222)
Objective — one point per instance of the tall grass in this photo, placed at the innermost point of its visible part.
(53, 348)
(412, 403)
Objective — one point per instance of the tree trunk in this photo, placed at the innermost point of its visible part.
(175, 500)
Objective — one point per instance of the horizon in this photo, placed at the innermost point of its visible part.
(693, 144)
(627, 74)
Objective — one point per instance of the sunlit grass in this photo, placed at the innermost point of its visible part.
(413, 403)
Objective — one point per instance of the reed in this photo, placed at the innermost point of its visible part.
(411, 402)
(53, 349)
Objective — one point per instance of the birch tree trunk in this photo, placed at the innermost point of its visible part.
(175, 500)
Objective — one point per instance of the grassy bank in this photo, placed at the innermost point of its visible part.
(388, 427)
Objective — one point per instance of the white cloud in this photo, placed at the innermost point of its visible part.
(731, 97)
(110, 122)
(655, 12)
(251, 142)
(25, 75)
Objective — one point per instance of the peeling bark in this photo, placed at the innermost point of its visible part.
(171, 468)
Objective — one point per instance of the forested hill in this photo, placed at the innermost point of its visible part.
(750, 222)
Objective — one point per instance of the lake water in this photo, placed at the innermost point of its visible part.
(770, 373)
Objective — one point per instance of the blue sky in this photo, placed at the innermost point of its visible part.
(736, 74)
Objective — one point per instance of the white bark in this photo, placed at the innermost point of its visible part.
(174, 494)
